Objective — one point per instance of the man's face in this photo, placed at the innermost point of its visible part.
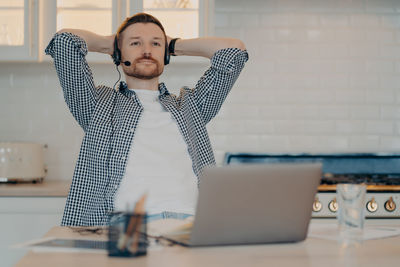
(143, 44)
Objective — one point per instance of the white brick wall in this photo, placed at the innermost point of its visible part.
(323, 77)
(331, 81)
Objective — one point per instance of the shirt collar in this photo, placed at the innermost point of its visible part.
(163, 89)
(123, 88)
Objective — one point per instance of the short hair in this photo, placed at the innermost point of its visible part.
(139, 18)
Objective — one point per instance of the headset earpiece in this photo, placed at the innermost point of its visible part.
(117, 53)
(166, 53)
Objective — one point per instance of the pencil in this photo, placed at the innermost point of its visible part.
(132, 225)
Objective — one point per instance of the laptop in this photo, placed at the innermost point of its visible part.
(253, 204)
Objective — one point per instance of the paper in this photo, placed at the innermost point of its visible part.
(52, 244)
(170, 227)
(155, 229)
(331, 231)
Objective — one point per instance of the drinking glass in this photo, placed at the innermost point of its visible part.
(351, 215)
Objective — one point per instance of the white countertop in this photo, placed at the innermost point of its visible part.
(311, 252)
(44, 189)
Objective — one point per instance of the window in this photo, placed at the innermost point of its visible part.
(18, 30)
(179, 17)
(91, 15)
(27, 26)
(12, 22)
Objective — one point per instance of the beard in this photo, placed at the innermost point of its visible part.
(144, 72)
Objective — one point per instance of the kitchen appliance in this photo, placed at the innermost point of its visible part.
(21, 162)
(381, 173)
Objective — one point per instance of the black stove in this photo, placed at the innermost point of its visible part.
(380, 172)
(367, 178)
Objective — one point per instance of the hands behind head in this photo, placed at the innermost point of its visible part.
(110, 40)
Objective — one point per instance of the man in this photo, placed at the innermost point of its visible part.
(140, 138)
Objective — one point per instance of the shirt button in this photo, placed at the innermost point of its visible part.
(115, 186)
(132, 130)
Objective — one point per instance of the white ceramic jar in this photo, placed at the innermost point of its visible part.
(21, 161)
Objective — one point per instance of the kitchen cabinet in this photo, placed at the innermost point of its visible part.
(27, 26)
(27, 211)
(26, 218)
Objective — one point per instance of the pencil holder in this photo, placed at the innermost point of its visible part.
(127, 235)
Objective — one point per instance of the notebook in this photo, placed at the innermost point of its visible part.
(252, 204)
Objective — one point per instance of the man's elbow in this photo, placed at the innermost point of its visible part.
(64, 30)
(237, 43)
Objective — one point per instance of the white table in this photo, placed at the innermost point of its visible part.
(311, 252)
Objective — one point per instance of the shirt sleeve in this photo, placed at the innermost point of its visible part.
(76, 79)
(213, 87)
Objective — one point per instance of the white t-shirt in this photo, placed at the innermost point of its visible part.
(158, 163)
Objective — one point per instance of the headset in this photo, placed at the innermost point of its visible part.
(116, 56)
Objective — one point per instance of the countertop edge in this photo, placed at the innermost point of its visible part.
(44, 189)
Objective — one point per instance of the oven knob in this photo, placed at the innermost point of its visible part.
(333, 205)
(372, 206)
(317, 206)
(390, 205)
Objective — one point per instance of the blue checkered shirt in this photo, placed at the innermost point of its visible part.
(109, 118)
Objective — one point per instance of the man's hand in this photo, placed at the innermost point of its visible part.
(110, 39)
(205, 46)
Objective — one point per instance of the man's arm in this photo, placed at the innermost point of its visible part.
(68, 48)
(94, 42)
(228, 57)
(205, 46)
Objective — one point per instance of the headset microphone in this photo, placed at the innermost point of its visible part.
(127, 63)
